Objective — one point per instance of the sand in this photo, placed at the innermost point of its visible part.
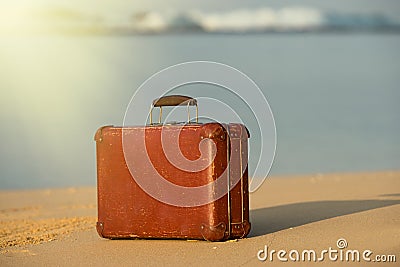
(312, 212)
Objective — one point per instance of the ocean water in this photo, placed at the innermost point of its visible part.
(335, 97)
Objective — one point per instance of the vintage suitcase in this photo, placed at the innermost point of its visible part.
(126, 209)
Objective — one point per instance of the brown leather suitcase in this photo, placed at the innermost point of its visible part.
(129, 207)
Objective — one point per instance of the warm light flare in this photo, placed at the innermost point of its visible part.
(12, 19)
(23, 20)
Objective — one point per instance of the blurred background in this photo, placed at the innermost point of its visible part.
(329, 69)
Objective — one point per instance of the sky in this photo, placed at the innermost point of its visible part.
(30, 15)
(123, 7)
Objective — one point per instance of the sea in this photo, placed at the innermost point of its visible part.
(335, 97)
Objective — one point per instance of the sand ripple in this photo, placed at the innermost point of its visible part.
(25, 232)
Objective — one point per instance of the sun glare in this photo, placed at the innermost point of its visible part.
(11, 19)
(25, 19)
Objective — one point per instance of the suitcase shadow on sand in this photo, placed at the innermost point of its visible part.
(273, 219)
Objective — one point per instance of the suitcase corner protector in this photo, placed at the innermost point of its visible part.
(213, 131)
(98, 137)
(241, 230)
(100, 228)
(213, 233)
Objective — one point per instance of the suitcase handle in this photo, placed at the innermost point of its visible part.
(174, 100)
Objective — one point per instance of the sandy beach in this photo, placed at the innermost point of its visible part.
(311, 212)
